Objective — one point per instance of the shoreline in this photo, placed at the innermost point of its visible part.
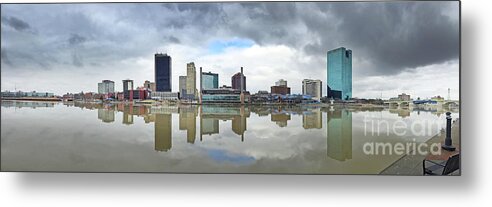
(317, 105)
(46, 99)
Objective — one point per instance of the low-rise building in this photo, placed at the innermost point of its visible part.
(141, 93)
(404, 97)
(27, 94)
(120, 96)
(282, 90)
(223, 95)
(164, 95)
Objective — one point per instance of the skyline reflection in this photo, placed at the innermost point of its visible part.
(338, 130)
(223, 139)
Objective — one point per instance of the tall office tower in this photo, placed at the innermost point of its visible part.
(236, 81)
(210, 80)
(191, 91)
(312, 88)
(163, 72)
(128, 89)
(105, 87)
(281, 82)
(182, 86)
(339, 73)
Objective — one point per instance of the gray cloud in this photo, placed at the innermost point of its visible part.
(387, 38)
(16, 23)
(390, 36)
(77, 60)
(5, 59)
(397, 36)
(174, 39)
(76, 39)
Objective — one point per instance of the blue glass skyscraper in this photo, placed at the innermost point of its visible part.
(163, 72)
(210, 80)
(339, 73)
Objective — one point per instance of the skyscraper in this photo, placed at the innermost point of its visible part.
(339, 73)
(182, 86)
(105, 87)
(163, 72)
(210, 80)
(236, 81)
(128, 89)
(312, 88)
(191, 91)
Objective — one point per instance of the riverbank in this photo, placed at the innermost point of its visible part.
(30, 99)
(336, 105)
(412, 164)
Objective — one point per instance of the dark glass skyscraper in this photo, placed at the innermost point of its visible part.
(163, 72)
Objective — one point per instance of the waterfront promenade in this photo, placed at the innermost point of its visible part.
(412, 164)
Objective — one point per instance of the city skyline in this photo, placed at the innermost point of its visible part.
(266, 56)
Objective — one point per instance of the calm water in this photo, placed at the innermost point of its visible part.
(39, 136)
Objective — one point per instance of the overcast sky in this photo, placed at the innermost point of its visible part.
(410, 47)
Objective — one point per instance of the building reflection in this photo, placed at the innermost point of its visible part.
(339, 122)
(187, 121)
(106, 115)
(208, 126)
(312, 119)
(27, 104)
(148, 118)
(163, 132)
(210, 116)
(402, 112)
(261, 111)
(280, 118)
(127, 118)
(339, 135)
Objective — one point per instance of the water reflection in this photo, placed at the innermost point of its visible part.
(105, 115)
(200, 138)
(280, 118)
(187, 121)
(401, 112)
(163, 132)
(339, 135)
(27, 104)
(312, 119)
(210, 116)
